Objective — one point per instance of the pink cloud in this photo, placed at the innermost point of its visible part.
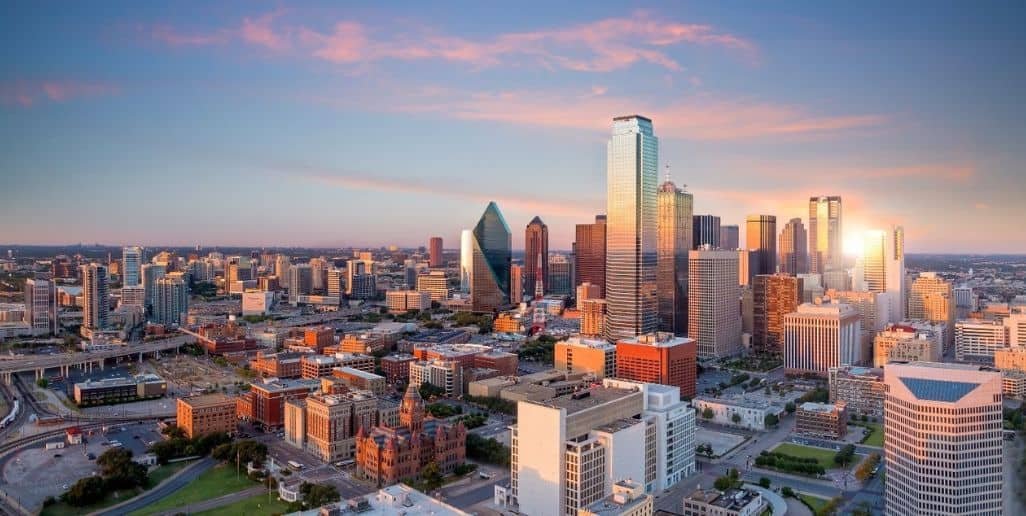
(259, 31)
(29, 93)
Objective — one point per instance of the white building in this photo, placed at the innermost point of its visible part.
(751, 413)
(400, 301)
(943, 440)
(445, 374)
(257, 302)
(883, 263)
(171, 299)
(39, 306)
(434, 284)
(820, 336)
(394, 500)
(978, 339)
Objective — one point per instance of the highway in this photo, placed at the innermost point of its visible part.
(33, 363)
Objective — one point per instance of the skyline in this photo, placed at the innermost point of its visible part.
(256, 125)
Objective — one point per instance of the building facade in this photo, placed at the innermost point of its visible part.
(794, 248)
(730, 237)
(96, 296)
(492, 248)
(435, 258)
(582, 355)
(40, 310)
(761, 237)
(820, 336)
(822, 420)
(171, 300)
(675, 208)
(706, 232)
(825, 238)
(978, 339)
(206, 414)
(773, 297)
(590, 253)
(883, 265)
(593, 317)
(659, 358)
(860, 388)
(908, 341)
(536, 256)
(714, 312)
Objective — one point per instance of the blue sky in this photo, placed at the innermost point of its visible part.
(329, 124)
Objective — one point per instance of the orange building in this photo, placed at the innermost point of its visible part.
(319, 338)
(219, 339)
(201, 415)
(387, 455)
(264, 403)
(659, 358)
(277, 365)
(773, 297)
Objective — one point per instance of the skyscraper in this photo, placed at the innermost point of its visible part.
(820, 336)
(706, 230)
(172, 299)
(559, 276)
(131, 263)
(761, 237)
(590, 253)
(773, 297)
(714, 308)
(825, 239)
(466, 259)
(931, 299)
(150, 273)
(435, 252)
(492, 252)
(516, 284)
(674, 242)
(536, 255)
(942, 440)
(883, 268)
(730, 237)
(39, 306)
(631, 180)
(96, 294)
(301, 281)
(794, 248)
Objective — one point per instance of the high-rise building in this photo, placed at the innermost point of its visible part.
(516, 284)
(586, 291)
(730, 237)
(761, 237)
(883, 268)
(872, 308)
(714, 308)
(820, 336)
(747, 266)
(931, 299)
(825, 239)
(536, 255)
(706, 231)
(281, 267)
(96, 302)
(493, 248)
(466, 259)
(659, 358)
(978, 339)
(559, 271)
(300, 281)
(631, 182)
(318, 274)
(773, 297)
(794, 248)
(584, 355)
(335, 281)
(151, 272)
(943, 440)
(435, 259)
(360, 280)
(40, 312)
(435, 284)
(171, 299)
(590, 253)
(593, 317)
(908, 341)
(675, 208)
(131, 263)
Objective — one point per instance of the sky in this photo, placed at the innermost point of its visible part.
(365, 124)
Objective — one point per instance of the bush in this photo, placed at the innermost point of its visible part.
(43, 382)
(707, 413)
(487, 450)
(790, 408)
(787, 492)
(492, 404)
(764, 482)
(463, 469)
(789, 463)
(428, 391)
(86, 491)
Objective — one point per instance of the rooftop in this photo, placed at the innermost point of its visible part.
(657, 339)
(825, 408)
(938, 390)
(584, 400)
(395, 500)
(279, 385)
(357, 372)
(207, 400)
(732, 499)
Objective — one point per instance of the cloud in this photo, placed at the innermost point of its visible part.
(27, 93)
(597, 46)
(956, 172)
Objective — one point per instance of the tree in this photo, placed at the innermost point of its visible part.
(764, 482)
(790, 408)
(707, 413)
(723, 483)
(42, 382)
(844, 455)
(736, 418)
(787, 492)
(771, 420)
(119, 471)
(86, 491)
(432, 475)
(316, 495)
(428, 390)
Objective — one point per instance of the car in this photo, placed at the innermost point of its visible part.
(91, 456)
(57, 455)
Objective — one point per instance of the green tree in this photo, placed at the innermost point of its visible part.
(723, 483)
(736, 418)
(316, 495)
(707, 413)
(86, 491)
(43, 382)
(432, 475)
(764, 482)
(119, 471)
(787, 492)
(771, 420)
(790, 408)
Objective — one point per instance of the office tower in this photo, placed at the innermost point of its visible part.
(747, 266)
(586, 291)
(300, 281)
(942, 440)
(568, 451)
(131, 261)
(435, 284)
(825, 239)
(593, 317)
(873, 309)
(281, 267)
(761, 237)
(560, 273)
(318, 274)
(151, 272)
(730, 237)
(659, 358)
(631, 181)
(820, 336)
(1015, 323)
(536, 255)
(964, 298)
(40, 313)
(590, 253)
(908, 341)
(466, 259)
(435, 253)
(773, 297)
(360, 280)
(516, 284)
(706, 231)
(96, 302)
(747, 310)
(492, 252)
(714, 312)
(931, 299)
(335, 281)
(860, 388)
(583, 355)
(171, 300)
(410, 273)
(883, 267)
(794, 248)
(675, 207)
(976, 340)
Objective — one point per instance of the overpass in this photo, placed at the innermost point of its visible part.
(86, 361)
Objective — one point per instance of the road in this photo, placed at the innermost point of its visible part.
(33, 363)
(189, 474)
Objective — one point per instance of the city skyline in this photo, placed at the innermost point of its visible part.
(259, 104)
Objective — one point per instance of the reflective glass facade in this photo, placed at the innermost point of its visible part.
(631, 182)
(674, 243)
(490, 276)
(825, 244)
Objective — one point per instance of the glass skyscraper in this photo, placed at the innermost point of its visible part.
(674, 242)
(825, 244)
(492, 253)
(631, 183)
(466, 259)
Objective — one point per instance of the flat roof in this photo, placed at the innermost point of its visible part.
(358, 372)
(574, 403)
(207, 400)
(810, 406)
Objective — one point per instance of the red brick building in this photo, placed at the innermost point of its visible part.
(265, 401)
(319, 338)
(397, 367)
(389, 455)
(659, 358)
(277, 365)
(219, 339)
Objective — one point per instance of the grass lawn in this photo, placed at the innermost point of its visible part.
(255, 506)
(823, 456)
(814, 502)
(219, 481)
(876, 438)
(156, 476)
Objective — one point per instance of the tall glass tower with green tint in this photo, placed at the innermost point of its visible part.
(492, 253)
(631, 233)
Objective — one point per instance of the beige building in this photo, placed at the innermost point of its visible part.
(209, 413)
(820, 336)
(583, 355)
(628, 499)
(401, 301)
(435, 285)
(732, 502)
(1010, 359)
(1013, 384)
(445, 374)
(943, 440)
(860, 388)
(907, 342)
(361, 380)
(931, 298)
(326, 424)
(593, 317)
(714, 311)
(978, 339)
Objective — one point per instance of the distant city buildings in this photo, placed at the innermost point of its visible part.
(171, 299)
(536, 256)
(516, 284)
(794, 248)
(706, 232)
(131, 266)
(40, 310)
(435, 258)
(761, 237)
(730, 237)
(560, 280)
(825, 238)
(883, 262)
(466, 259)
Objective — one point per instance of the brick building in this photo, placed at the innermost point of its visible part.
(823, 420)
(219, 339)
(264, 403)
(316, 366)
(397, 367)
(209, 413)
(277, 365)
(659, 358)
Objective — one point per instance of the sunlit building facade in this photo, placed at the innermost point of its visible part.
(590, 253)
(773, 297)
(536, 256)
(794, 248)
(825, 239)
(714, 308)
(674, 243)
(492, 252)
(883, 268)
(761, 237)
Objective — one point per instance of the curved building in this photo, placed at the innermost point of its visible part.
(492, 253)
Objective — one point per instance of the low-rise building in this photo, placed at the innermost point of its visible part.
(362, 380)
(264, 403)
(583, 355)
(822, 420)
(257, 302)
(444, 374)
(1013, 384)
(508, 322)
(860, 388)
(1010, 359)
(628, 499)
(277, 365)
(750, 413)
(397, 367)
(119, 390)
(402, 301)
(326, 424)
(395, 500)
(316, 366)
(909, 341)
(206, 414)
(362, 343)
(978, 339)
(732, 502)
(219, 339)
